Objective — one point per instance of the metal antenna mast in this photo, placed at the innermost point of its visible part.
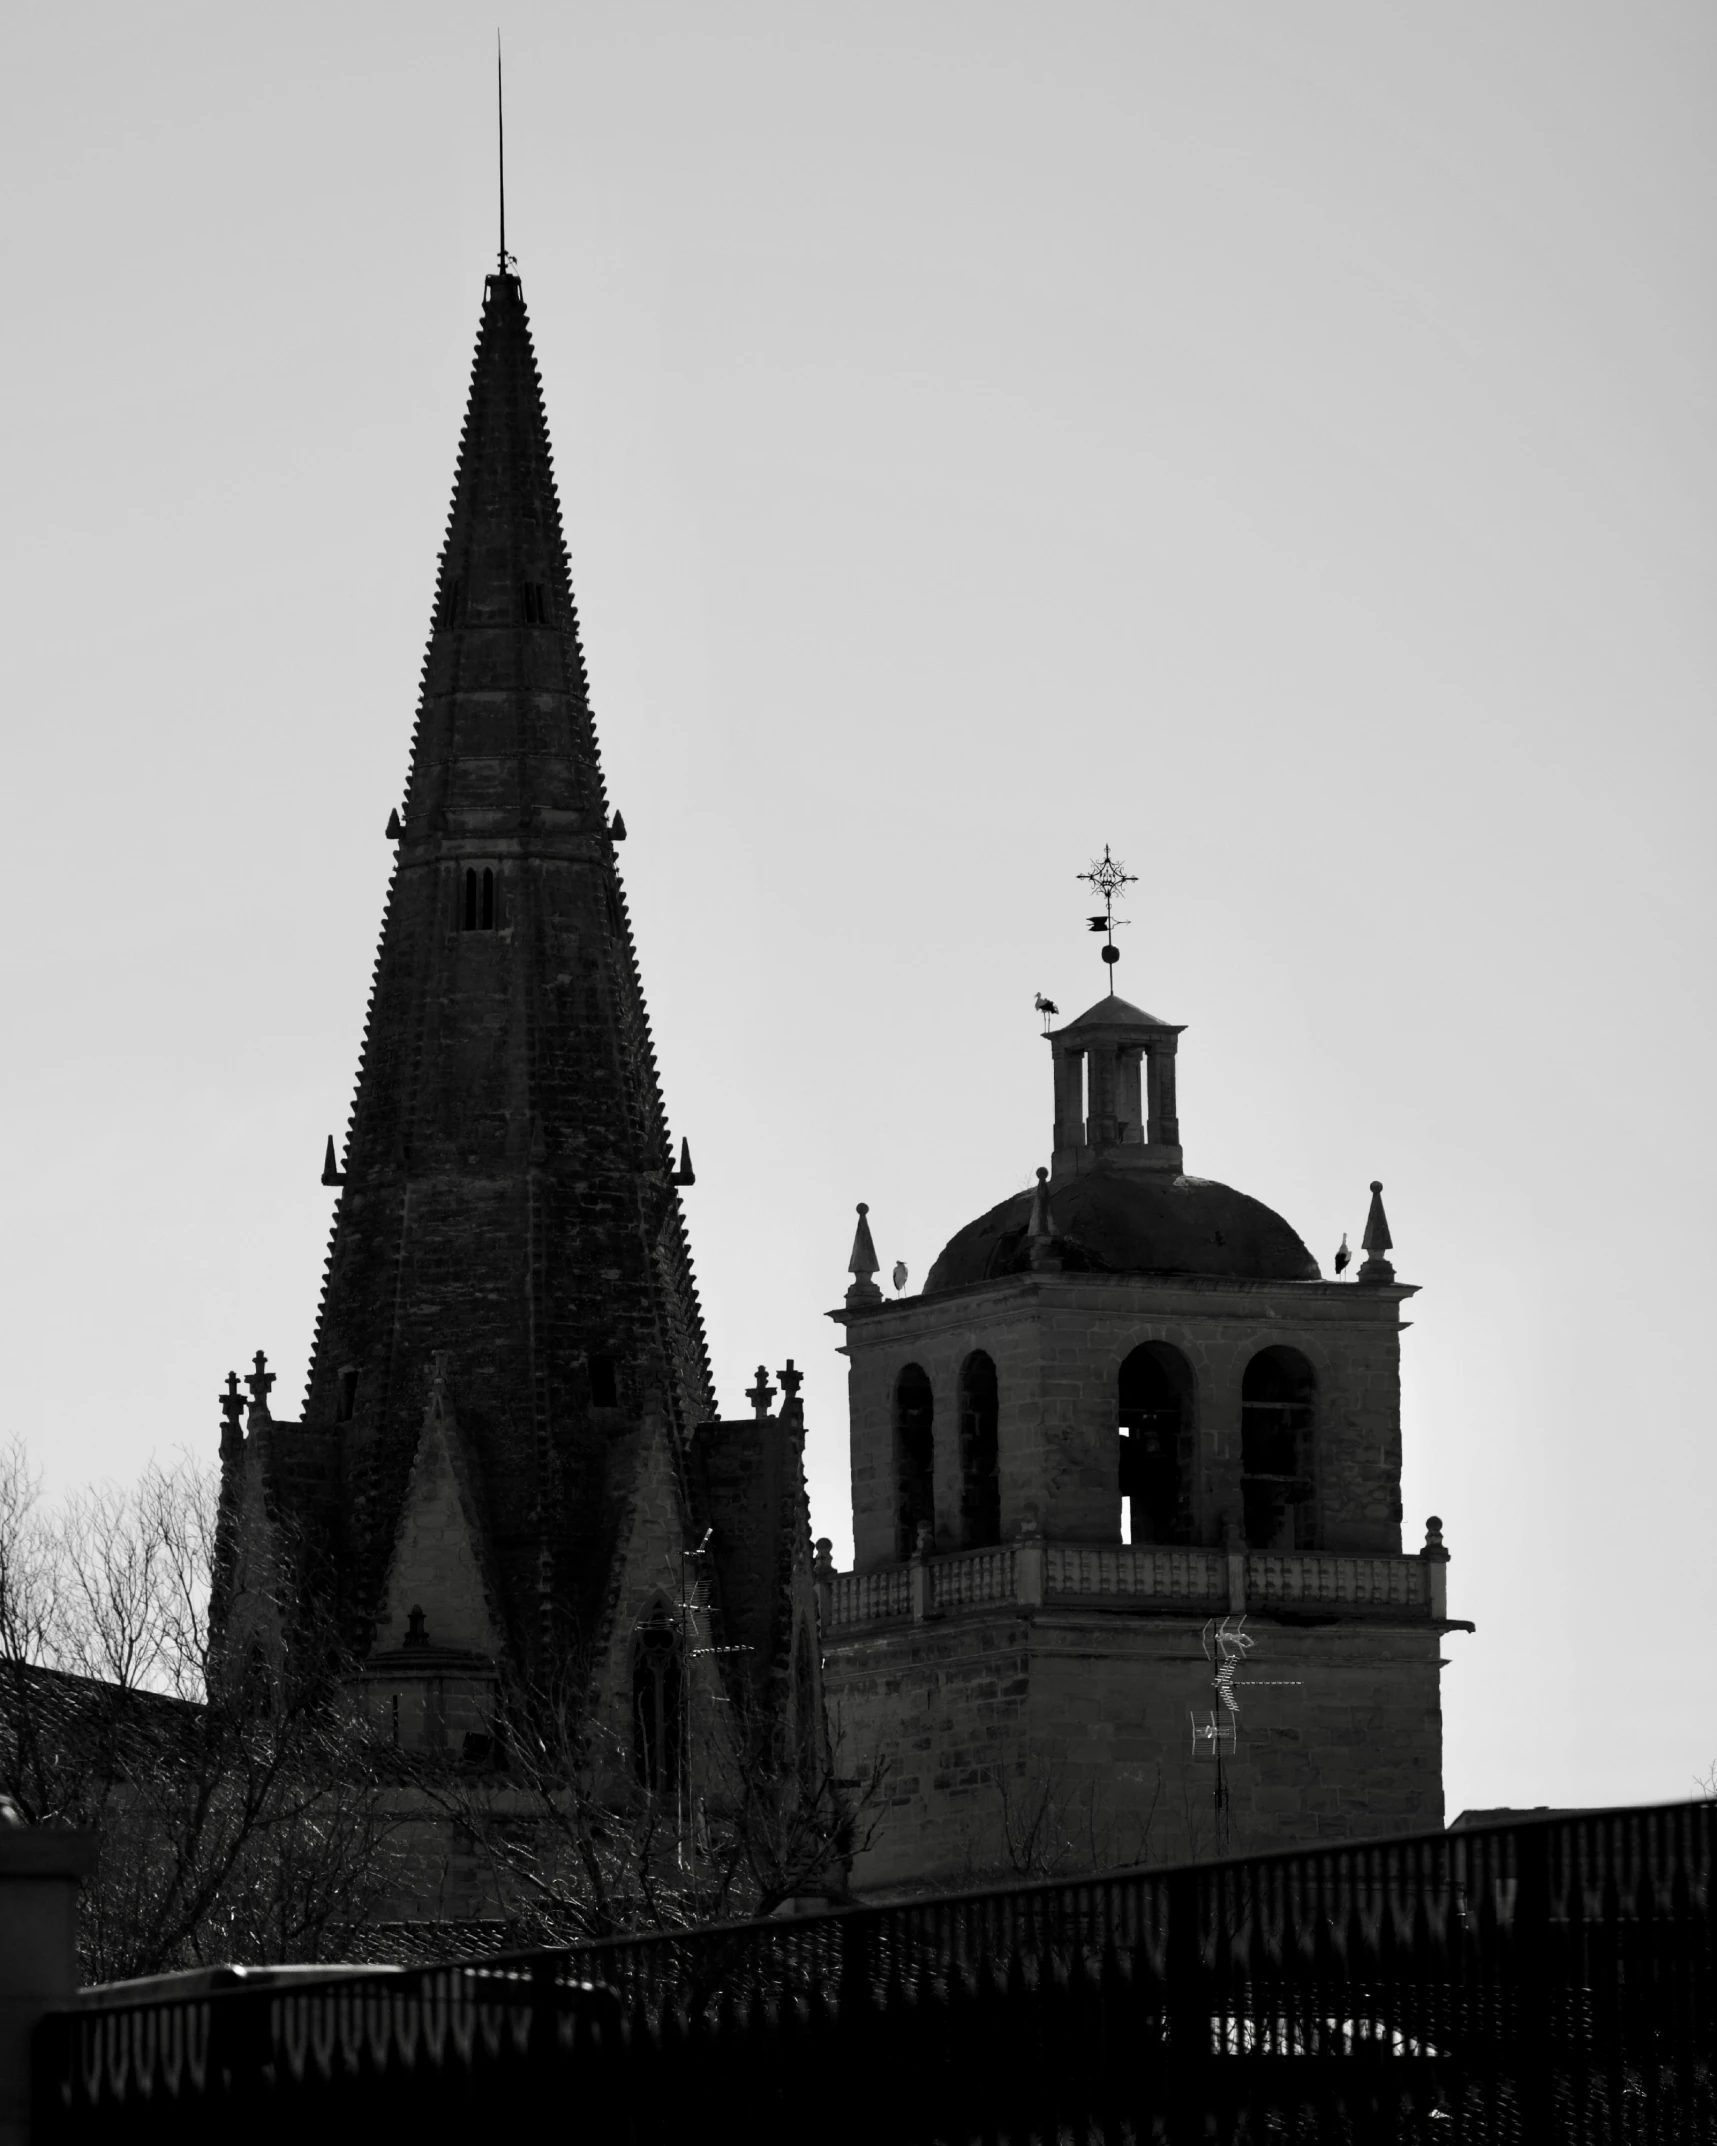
(501, 149)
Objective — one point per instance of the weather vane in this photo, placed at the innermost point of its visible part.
(1107, 877)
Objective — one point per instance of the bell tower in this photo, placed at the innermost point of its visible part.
(1126, 1412)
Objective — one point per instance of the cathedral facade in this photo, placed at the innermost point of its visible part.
(1129, 1580)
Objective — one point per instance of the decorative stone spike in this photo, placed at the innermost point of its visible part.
(395, 830)
(1043, 1248)
(332, 1174)
(617, 828)
(791, 1378)
(863, 1264)
(260, 1380)
(1376, 1241)
(685, 1175)
(232, 1418)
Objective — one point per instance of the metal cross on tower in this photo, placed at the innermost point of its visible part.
(1107, 877)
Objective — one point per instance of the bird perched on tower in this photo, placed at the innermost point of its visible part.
(1048, 1008)
(1343, 1255)
(899, 1276)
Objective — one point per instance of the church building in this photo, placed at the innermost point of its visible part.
(1129, 1579)
(510, 1467)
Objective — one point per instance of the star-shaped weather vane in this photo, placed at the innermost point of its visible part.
(1108, 877)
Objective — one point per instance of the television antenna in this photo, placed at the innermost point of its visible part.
(1226, 1646)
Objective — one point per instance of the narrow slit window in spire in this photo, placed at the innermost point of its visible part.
(478, 906)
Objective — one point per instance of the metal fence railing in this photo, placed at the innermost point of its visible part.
(1549, 1979)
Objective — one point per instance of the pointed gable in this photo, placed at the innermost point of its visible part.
(440, 1557)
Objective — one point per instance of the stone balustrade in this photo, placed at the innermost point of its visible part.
(1030, 1571)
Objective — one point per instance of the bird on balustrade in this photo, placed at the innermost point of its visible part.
(1343, 1255)
(899, 1276)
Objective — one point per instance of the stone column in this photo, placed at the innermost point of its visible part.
(1069, 1099)
(1100, 1118)
(1163, 1126)
(39, 1874)
(1129, 1110)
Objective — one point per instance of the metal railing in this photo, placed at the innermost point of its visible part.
(1550, 1979)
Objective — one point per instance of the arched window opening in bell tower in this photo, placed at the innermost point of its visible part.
(536, 604)
(657, 1691)
(488, 923)
(980, 1468)
(1278, 1410)
(914, 1459)
(346, 1395)
(1154, 1409)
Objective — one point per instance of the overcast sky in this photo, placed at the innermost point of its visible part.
(1276, 440)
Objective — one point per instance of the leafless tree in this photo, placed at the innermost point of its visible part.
(239, 1823)
(1049, 1829)
(571, 1845)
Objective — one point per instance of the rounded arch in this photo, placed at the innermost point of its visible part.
(1278, 1451)
(1154, 1408)
(914, 1458)
(658, 1701)
(980, 1457)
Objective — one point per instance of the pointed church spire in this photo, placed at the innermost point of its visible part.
(504, 1197)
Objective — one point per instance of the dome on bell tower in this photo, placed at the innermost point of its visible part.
(1116, 1199)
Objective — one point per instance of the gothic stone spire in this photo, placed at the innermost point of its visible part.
(508, 1196)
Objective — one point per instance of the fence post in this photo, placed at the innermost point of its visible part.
(1536, 2002)
(39, 1874)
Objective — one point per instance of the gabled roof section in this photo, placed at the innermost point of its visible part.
(440, 1560)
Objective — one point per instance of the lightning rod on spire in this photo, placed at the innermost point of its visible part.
(501, 149)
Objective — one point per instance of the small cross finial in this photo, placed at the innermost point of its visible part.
(792, 1378)
(232, 1406)
(1109, 878)
(760, 1395)
(260, 1381)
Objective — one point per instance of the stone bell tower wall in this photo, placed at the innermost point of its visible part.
(1058, 1343)
(1060, 1738)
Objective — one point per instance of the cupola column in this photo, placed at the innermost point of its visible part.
(1129, 1110)
(1164, 1127)
(1100, 1121)
(1069, 1098)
